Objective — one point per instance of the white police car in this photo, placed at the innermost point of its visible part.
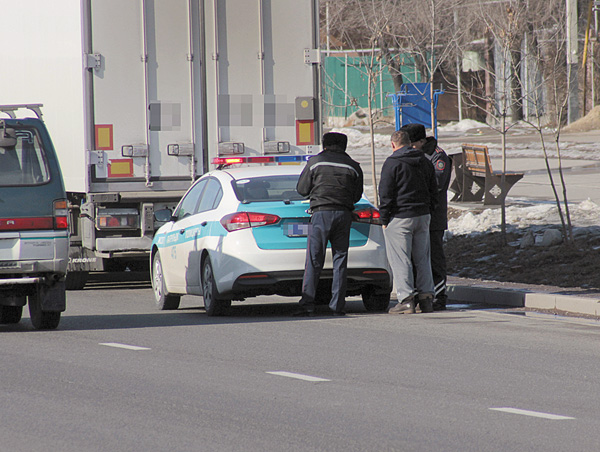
(242, 232)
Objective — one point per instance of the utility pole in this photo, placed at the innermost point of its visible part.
(595, 8)
(572, 62)
(458, 69)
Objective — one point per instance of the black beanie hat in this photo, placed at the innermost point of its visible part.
(335, 140)
(415, 132)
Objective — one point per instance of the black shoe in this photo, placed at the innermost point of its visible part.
(304, 313)
(439, 305)
(425, 302)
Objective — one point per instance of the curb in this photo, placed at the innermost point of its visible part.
(526, 298)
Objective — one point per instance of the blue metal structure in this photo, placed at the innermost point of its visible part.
(413, 105)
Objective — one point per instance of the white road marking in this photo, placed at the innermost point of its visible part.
(554, 417)
(297, 376)
(125, 346)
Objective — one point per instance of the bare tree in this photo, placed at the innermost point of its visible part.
(548, 50)
(360, 29)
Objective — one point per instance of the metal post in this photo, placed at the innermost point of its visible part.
(458, 71)
(572, 62)
(327, 27)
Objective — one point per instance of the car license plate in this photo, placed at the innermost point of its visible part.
(296, 229)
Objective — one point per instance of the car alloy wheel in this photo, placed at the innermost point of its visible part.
(213, 304)
(164, 300)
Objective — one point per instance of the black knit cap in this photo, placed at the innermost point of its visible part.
(335, 140)
(415, 132)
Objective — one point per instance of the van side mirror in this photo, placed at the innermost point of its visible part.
(8, 138)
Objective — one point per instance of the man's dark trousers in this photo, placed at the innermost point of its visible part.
(438, 264)
(327, 226)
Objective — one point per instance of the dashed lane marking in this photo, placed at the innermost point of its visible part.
(125, 346)
(298, 376)
(554, 417)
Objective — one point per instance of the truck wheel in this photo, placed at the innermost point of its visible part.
(213, 304)
(373, 301)
(164, 300)
(76, 280)
(10, 314)
(42, 320)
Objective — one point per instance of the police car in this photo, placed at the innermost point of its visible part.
(242, 232)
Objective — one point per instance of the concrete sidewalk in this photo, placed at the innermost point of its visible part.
(576, 301)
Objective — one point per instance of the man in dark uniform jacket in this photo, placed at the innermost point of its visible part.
(334, 183)
(439, 217)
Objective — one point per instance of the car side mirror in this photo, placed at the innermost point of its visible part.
(164, 215)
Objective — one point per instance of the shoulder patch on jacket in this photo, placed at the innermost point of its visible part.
(440, 165)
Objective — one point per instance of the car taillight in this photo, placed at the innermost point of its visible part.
(369, 215)
(61, 214)
(244, 220)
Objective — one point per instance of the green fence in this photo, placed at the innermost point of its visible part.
(345, 84)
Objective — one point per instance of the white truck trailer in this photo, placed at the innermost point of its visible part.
(140, 95)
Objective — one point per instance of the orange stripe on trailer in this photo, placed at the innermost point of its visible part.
(305, 132)
(104, 137)
(120, 168)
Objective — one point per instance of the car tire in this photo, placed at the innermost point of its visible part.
(164, 300)
(76, 280)
(374, 301)
(10, 314)
(42, 320)
(213, 303)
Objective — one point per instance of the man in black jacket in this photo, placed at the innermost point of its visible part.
(407, 196)
(439, 219)
(334, 183)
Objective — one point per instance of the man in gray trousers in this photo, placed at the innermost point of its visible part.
(407, 196)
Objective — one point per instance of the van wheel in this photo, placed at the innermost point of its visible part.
(213, 303)
(42, 320)
(10, 314)
(373, 301)
(164, 300)
(76, 280)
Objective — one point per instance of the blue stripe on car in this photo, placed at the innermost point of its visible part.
(270, 237)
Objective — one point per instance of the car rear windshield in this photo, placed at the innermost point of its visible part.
(267, 188)
(25, 162)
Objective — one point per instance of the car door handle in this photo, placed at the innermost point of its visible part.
(204, 223)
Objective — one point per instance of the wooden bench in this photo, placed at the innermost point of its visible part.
(475, 180)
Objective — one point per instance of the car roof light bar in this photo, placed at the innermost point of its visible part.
(280, 159)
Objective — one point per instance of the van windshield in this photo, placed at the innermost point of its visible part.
(24, 163)
(267, 188)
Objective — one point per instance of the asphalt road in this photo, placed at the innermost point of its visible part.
(120, 376)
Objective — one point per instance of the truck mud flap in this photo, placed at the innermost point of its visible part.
(52, 298)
